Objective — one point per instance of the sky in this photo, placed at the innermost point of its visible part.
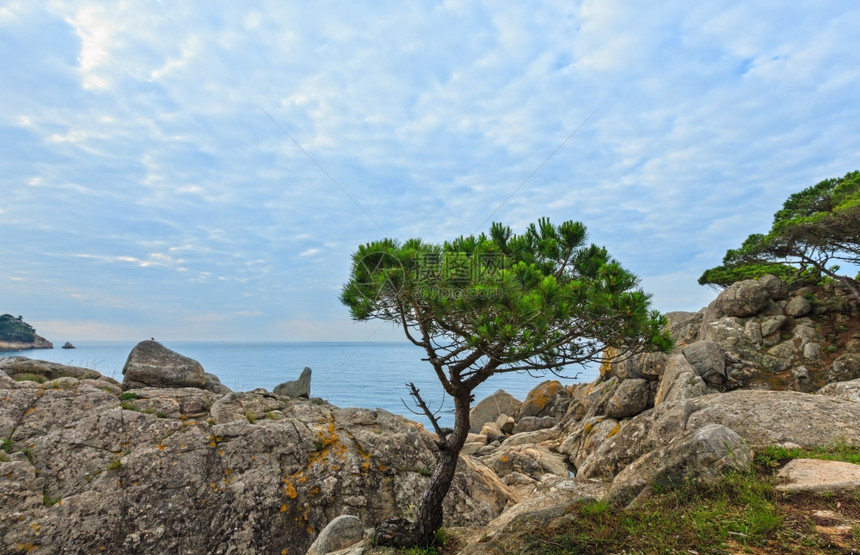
(204, 170)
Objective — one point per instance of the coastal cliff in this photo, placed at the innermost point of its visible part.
(18, 335)
(172, 461)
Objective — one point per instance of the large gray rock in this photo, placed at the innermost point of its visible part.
(530, 460)
(765, 418)
(296, 388)
(585, 437)
(741, 299)
(708, 360)
(141, 483)
(680, 381)
(528, 424)
(644, 365)
(845, 390)
(340, 533)
(761, 418)
(18, 365)
(552, 500)
(684, 326)
(489, 409)
(151, 364)
(699, 458)
(776, 288)
(797, 307)
(845, 368)
(630, 398)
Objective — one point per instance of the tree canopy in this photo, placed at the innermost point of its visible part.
(481, 305)
(816, 231)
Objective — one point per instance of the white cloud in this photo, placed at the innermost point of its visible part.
(137, 130)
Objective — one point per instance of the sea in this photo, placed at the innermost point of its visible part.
(369, 375)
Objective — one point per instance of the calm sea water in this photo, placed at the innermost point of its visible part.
(368, 375)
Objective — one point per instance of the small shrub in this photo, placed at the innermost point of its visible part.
(6, 445)
(425, 471)
(160, 415)
(128, 396)
(250, 416)
(115, 464)
(129, 406)
(49, 501)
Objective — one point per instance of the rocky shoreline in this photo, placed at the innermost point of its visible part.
(172, 461)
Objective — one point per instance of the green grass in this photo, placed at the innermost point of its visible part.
(440, 539)
(742, 511)
(38, 378)
(115, 464)
(128, 396)
(6, 445)
(773, 457)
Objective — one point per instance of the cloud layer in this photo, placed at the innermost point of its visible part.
(203, 171)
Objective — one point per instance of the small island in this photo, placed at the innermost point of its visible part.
(18, 335)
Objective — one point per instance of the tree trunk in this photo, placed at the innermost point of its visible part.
(429, 517)
(428, 520)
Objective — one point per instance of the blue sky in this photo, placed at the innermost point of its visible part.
(147, 189)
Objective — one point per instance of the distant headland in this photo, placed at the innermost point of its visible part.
(17, 335)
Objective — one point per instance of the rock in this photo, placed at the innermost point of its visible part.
(844, 390)
(18, 365)
(772, 324)
(798, 307)
(590, 399)
(150, 364)
(245, 407)
(845, 368)
(644, 365)
(761, 418)
(340, 533)
(684, 326)
(6, 382)
(541, 435)
(586, 436)
(492, 431)
(531, 460)
(741, 299)
(143, 484)
(630, 398)
(555, 501)
(699, 457)
(68, 345)
(776, 288)
(816, 476)
(680, 381)
(812, 351)
(528, 424)
(214, 385)
(505, 423)
(489, 409)
(296, 388)
(708, 360)
(184, 401)
(801, 378)
(547, 399)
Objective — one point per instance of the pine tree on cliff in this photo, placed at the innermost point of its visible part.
(479, 306)
(816, 230)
